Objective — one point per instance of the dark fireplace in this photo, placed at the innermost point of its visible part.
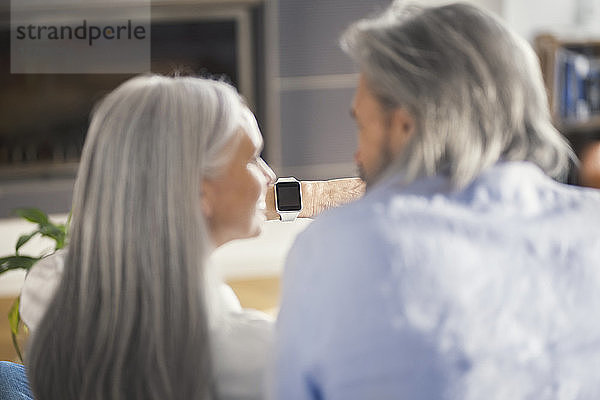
(44, 117)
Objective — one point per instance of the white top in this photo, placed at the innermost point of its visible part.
(419, 292)
(240, 340)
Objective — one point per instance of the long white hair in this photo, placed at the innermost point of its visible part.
(474, 87)
(128, 320)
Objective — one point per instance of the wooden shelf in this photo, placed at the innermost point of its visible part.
(547, 46)
(584, 127)
(37, 171)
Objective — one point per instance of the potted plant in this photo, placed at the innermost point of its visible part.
(45, 228)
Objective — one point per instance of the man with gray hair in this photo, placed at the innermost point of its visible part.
(466, 271)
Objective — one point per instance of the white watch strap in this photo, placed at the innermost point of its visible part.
(288, 216)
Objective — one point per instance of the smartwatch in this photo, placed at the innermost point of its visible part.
(288, 198)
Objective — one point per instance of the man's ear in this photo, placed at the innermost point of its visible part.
(402, 127)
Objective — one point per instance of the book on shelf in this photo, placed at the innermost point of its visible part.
(576, 86)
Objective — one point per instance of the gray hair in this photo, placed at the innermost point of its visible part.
(128, 320)
(474, 88)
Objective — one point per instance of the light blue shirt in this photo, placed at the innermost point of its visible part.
(491, 292)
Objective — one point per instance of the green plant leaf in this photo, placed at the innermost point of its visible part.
(61, 243)
(54, 232)
(16, 262)
(14, 319)
(68, 224)
(57, 232)
(33, 215)
(24, 239)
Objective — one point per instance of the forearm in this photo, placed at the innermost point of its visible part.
(318, 196)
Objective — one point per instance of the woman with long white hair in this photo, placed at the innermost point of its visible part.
(170, 170)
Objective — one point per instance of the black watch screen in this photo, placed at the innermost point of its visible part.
(288, 196)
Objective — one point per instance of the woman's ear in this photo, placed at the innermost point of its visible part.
(402, 127)
(207, 198)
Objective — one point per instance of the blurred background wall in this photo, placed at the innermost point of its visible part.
(283, 55)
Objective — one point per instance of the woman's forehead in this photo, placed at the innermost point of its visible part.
(250, 126)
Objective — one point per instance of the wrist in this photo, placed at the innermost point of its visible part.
(307, 188)
(271, 210)
(308, 199)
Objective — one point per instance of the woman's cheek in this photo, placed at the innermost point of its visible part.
(257, 182)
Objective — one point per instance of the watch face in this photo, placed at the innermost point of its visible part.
(288, 196)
